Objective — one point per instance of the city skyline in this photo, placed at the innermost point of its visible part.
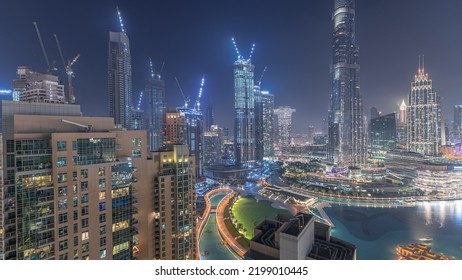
(300, 76)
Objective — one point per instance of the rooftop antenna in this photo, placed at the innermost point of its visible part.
(198, 101)
(423, 63)
(43, 47)
(120, 20)
(186, 99)
(237, 50)
(251, 51)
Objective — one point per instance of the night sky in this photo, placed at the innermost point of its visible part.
(293, 39)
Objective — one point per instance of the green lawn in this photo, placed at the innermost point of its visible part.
(250, 213)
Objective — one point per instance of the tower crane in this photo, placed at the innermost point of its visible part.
(43, 47)
(120, 20)
(261, 77)
(186, 99)
(139, 101)
(239, 56)
(69, 71)
(198, 100)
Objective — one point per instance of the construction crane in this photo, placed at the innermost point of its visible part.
(239, 56)
(261, 77)
(198, 100)
(186, 99)
(69, 71)
(151, 68)
(120, 20)
(43, 47)
(139, 101)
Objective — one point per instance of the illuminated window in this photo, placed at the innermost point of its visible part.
(120, 192)
(120, 226)
(102, 195)
(120, 247)
(85, 235)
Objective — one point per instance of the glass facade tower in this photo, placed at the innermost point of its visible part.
(155, 111)
(244, 112)
(120, 79)
(346, 123)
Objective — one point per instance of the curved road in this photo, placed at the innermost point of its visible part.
(211, 246)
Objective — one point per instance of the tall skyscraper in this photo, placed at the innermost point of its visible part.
(176, 129)
(69, 187)
(184, 127)
(155, 109)
(194, 137)
(284, 115)
(401, 116)
(423, 115)
(259, 145)
(209, 120)
(212, 148)
(267, 101)
(244, 111)
(311, 133)
(120, 78)
(172, 219)
(457, 123)
(346, 124)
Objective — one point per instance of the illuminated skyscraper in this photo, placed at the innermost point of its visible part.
(120, 78)
(457, 123)
(267, 101)
(346, 123)
(423, 115)
(209, 120)
(155, 110)
(284, 115)
(244, 111)
(401, 139)
(402, 113)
